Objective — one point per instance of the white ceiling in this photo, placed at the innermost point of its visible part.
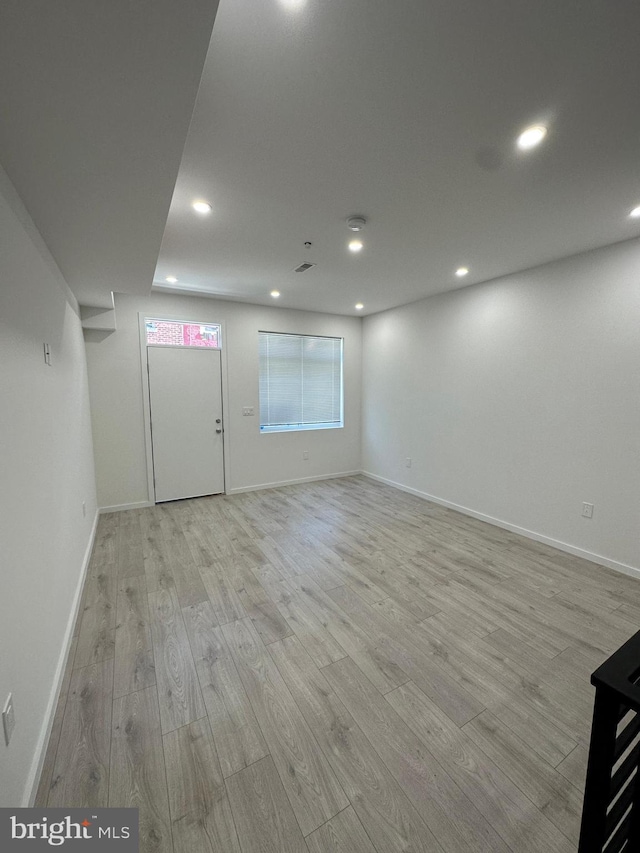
(406, 112)
(309, 111)
(95, 102)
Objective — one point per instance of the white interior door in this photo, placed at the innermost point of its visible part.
(185, 398)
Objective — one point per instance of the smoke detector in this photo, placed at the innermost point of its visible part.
(356, 223)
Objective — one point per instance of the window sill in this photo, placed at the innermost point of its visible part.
(299, 427)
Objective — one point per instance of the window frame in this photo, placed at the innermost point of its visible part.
(181, 323)
(303, 427)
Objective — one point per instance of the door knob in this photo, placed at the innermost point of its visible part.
(218, 430)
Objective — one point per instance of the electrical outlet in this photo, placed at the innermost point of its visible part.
(407, 462)
(47, 354)
(8, 719)
(305, 454)
(247, 411)
(587, 510)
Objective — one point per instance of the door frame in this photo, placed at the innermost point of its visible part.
(146, 406)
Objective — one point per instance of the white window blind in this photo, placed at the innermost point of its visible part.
(300, 382)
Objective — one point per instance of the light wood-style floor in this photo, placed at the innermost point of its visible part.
(336, 666)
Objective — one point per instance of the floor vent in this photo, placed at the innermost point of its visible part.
(304, 267)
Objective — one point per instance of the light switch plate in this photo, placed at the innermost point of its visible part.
(8, 719)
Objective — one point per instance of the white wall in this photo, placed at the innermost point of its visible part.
(254, 459)
(518, 399)
(46, 472)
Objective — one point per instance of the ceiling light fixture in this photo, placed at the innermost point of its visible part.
(355, 245)
(275, 293)
(635, 213)
(171, 279)
(201, 206)
(462, 271)
(359, 306)
(531, 137)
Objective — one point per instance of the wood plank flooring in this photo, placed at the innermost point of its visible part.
(335, 666)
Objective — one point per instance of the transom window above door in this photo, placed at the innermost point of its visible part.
(174, 333)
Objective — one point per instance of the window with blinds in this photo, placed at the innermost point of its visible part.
(300, 382)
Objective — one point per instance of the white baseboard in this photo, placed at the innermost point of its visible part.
(513, 528)
(31, 788)
(277, 485)
(121, 507)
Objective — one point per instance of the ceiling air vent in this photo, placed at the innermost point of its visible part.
(304, 267)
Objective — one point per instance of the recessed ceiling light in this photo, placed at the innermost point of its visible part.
(355, 245)
(359, 306)
(461, 272)
(635, 213)
(275, 293)
(171, 279)
(531, 137)
(201, 206)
